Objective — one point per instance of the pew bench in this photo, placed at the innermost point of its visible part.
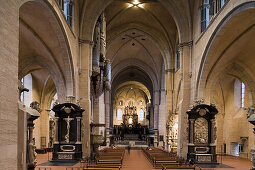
(118, 166)
(165, 167)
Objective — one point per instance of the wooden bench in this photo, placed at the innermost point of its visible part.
(105, 166)
(101, 168)
(179, 167)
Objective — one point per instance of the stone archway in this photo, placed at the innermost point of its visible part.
(215, 50)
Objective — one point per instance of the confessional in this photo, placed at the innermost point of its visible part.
(67, 138)
(202, 133)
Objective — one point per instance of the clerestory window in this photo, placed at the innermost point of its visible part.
(242, 94)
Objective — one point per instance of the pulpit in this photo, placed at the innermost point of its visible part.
(202, 133)
(67, 138)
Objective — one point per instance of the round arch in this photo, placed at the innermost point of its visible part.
(209, 57)
(50, 21)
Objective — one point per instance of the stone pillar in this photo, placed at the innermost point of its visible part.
(107, 116)
(191, 131)
(84, 92)
(96, 114)
(56, 131)
(22, 137)
(78, 135)
(44, 122)
(185, 52)
(162, 119)
(9, 48)
(156, 116)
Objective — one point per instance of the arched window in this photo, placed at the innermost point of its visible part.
(68, 10)
(119, 114)
(141, 115)
(178, 59)
(26, 97)
(242, 94)
(208, 10)
(205, 6)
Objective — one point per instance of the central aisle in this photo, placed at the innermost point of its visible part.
(136, 161)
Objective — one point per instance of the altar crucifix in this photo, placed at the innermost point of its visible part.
(67, 137)
(68, 120)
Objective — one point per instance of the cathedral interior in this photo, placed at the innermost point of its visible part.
(80, 78)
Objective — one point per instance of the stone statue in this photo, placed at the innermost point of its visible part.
(35, 105)
(32, 154)
(253, 158)
(21, 88)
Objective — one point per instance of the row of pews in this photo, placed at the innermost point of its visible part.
(108, 159)
(164, 160)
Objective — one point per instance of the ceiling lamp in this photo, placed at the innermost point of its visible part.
(136, 4)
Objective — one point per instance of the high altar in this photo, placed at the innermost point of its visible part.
(130, 129)
(130, 118)
(67, 137)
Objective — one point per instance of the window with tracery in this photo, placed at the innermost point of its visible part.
(119, 114)
(68, 10)
(141, 115)
(208, 9)
(67, 7)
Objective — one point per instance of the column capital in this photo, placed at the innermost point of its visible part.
(83, 41)
(171, 70)
(187, 43)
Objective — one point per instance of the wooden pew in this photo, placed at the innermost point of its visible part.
(101, 168)
(118, 166)
(179, 167)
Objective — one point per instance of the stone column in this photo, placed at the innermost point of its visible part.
(107, 116)
(156, 116)
(185, 52)
(191, 131)
(84, 92)
(56, 131)
(44, 122)
(96, 114)
(9, 48)
(78, 135)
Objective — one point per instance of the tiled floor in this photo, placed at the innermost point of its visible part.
(137, 161)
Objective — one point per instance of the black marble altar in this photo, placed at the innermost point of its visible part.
(67, 138)
(201, 147)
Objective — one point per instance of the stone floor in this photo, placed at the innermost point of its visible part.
(137, 161)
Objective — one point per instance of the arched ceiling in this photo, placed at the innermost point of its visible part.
(43, 45)
(135, 45)
(131, 75)
(147, 34)
(124, 88)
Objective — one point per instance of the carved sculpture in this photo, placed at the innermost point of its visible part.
(251, 119)
(32, 154)
(68, 120)
(35, 105)
(21, 88)
(253, 158)
(201, 131)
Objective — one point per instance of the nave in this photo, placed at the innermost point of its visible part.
(136, 160)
